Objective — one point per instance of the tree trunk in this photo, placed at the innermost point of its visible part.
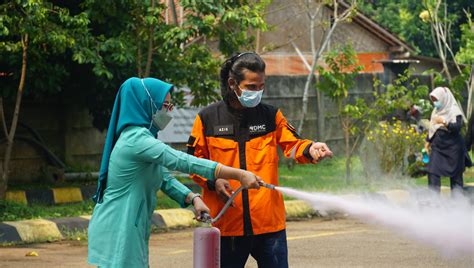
(3, 187)
(321, 111)
(441, 30)
(3, 184)
(308, 79)
(139, 61)
(347, 146)
(173, 12)
(321, 117)
(470, 99)
(150, 46)
(257, 41)
(11, 134)
(3, 122)
(348, 169)
(316, 56)
(348, 155)
(436, 28)
(338, 17)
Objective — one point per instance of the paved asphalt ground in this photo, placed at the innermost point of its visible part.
(312, 243)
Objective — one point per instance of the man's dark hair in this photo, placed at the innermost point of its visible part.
(234, 68)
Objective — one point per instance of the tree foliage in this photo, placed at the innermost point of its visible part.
(341, 71)
(52, 33)
(124, 38)
(402, 18)
(29, 29)
(466, 51)
(81, 51)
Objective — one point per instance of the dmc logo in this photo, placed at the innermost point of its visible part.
(258, 128)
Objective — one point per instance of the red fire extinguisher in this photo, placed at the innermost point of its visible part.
(207, 247)
(207, 240)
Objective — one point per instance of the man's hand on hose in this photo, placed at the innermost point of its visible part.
(223, 189)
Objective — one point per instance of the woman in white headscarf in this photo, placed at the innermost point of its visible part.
(448, 156)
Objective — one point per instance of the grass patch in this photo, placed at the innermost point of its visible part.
(165, 201)
(468, 178)
(327, 176)
(11, 211)
(79, 235)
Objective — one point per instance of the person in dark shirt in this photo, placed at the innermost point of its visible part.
(448, 155)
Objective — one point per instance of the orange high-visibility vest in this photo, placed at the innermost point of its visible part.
(246, 139)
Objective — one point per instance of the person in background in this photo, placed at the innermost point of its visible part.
(447, 151)
(414, 118)
(135, 165)
(242, 132)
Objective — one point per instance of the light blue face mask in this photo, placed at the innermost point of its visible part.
(438, 105)
(249, 98)
(161, 118)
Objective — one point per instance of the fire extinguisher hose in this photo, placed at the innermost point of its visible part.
(205, 217)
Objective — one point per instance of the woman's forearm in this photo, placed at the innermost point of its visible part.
(230, 173)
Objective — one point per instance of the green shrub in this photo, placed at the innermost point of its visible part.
(393, 143)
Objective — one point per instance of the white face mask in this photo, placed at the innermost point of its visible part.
(249, 98)
(160, 119)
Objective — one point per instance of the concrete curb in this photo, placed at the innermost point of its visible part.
(40, 230)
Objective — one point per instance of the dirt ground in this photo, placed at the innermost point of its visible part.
(311, 243)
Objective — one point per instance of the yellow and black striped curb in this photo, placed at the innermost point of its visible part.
(61, 195)
(52, 196)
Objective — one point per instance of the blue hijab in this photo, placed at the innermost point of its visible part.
(132, 107)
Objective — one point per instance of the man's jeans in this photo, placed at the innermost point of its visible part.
(270, 250)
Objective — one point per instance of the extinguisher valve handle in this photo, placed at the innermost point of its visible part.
(205, 217)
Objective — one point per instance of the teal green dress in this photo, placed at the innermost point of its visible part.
(120, 226)
(134, 167)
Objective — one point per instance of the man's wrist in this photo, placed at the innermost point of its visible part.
(306, 152)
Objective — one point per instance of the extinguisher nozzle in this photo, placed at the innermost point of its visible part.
(267, 185)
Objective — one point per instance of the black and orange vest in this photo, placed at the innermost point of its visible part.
(246, 139)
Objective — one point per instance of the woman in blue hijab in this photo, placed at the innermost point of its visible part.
(135, 165)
